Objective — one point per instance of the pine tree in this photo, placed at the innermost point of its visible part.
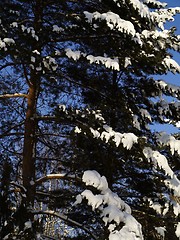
(77, 93)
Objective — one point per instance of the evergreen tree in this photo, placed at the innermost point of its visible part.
(78, 93)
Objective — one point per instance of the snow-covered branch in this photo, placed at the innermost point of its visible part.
(113, 210)
(13, 95)
(54, 176)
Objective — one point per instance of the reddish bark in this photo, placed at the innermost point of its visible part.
(29, 149)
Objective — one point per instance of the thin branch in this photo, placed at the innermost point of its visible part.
(46, 117)
(26, 75)
(53, 134)
(6, 65)
(14, 95)
(13, 127)
(56, 176)
(66, 219)
(19, 186)
(50, 176)
(84, 86)
(75, 37)
(11, 134)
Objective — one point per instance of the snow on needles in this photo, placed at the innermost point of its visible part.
(126, 139)
(178, 230)
(161, 231)
(172, 182)
(113, 21)
(106, 61)
(113, 210)
(165, 139)
(4, 43)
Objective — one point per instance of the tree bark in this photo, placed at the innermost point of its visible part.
(29, 145)
(29, 148)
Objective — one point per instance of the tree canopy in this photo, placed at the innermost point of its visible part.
(78, 97)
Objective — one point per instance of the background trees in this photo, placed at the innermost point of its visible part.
(77, 93)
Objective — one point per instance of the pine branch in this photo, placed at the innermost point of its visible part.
(66, 219)
(11, 134)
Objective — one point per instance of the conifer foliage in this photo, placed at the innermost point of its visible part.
(78, 97)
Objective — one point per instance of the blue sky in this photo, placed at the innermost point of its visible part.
(170, 77)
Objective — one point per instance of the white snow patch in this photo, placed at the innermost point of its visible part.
(57, 29)
(171, 64)
(113, 21)
(161, 231)
(165, 139)
(28, 225)
(177, 232)
(75, 55)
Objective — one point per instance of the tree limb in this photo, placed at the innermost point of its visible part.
(66, 219)
(13, 95)
(54, 176)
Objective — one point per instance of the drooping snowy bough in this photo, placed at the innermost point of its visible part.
(112, 209)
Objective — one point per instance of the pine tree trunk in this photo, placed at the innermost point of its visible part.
(29, 145)
(29, 148)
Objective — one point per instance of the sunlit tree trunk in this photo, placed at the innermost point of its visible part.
(29, 149)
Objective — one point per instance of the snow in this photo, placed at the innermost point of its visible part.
(2, 44)
(136, 123)
(142, 9)
(93, 178)
(28, 225)
(93, 200)
(50, 63)
(165, 139)
(127, 62)
(172, 182)
(33, 59)
(113, 21)
(75, 55)
(171, 65)
(161, 231)
(155, 205)
(62, 107)
(127, 139)
(14, 24)
(108, 62)
(98, 115)
(57, 29)
(77, 130)
(176, 208)
(178, 124)
(159, 160)
(6, 42)
(166, 86)
(38, 68)
(113, 209)
(156, 3)
(9, 41)
(36, 52)
(30, 30)
(145, 114)
(177, 232)
(32, 182)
